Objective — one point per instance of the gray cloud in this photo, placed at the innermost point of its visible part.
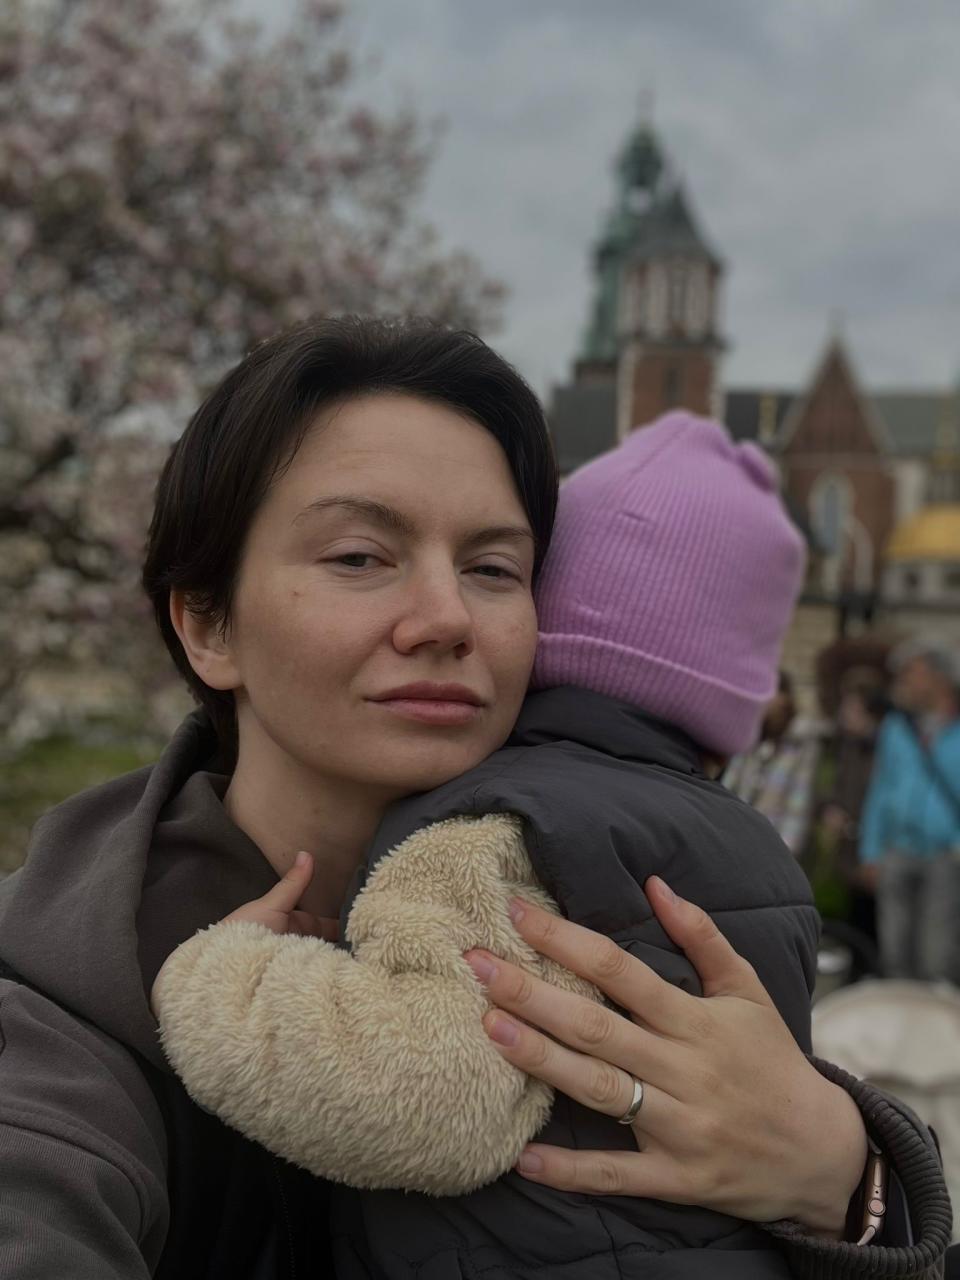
(819, 141)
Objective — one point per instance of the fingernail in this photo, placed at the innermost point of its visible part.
(530, 1162)
(301, 859)
(503, 1030)
(481, 965)
(517, 910)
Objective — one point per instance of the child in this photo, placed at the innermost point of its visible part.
(662, 607)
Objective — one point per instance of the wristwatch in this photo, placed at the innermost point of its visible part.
(865, 1217)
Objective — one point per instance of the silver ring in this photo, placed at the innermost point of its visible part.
(631, 1112)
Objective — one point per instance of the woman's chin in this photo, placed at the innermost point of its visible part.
(423, 768)
(427, 776)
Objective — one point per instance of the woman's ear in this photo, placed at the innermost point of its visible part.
(204, 644)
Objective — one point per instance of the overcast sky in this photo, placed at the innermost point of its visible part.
(819, 140)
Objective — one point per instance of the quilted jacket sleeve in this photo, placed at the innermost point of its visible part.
(913, 1156)
(371, 1068)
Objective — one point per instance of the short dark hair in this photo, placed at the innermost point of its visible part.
(251, 425)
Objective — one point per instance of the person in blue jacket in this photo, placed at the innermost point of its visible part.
(910, 832)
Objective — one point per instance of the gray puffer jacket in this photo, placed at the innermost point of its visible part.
(607, 797)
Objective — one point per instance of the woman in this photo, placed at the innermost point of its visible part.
(250, 568)
(672, 574)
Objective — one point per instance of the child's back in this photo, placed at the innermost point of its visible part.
(606, 796)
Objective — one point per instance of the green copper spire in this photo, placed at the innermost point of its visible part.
(639, 168)
(650, 219)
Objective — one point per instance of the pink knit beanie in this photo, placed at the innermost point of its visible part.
(671, 579)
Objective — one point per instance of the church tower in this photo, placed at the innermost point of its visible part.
(653, 328)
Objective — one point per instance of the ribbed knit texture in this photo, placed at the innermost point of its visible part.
(916, 1162)
(671, 580)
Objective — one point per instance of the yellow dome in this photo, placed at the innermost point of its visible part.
(932, 534)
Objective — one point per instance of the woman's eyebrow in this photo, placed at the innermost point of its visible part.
(366, 508)
(498, 533)
(389, 518)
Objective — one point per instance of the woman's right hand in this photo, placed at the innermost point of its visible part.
(279, 909)
(734, 1116)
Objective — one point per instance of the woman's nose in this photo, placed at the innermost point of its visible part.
(435, 614)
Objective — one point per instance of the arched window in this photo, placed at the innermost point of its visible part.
(831, 501)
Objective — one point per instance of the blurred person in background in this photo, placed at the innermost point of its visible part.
(910, 831)
(777, 776)
(862, 707)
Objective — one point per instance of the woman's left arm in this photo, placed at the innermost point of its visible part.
(734, 1117)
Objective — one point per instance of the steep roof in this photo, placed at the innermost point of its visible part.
(834, 386)
(670, 228)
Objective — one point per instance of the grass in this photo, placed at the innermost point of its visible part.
(46, 772)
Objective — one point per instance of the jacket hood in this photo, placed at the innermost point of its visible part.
(110, 886)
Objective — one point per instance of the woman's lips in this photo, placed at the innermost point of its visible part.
(434, 702)
(438, 711)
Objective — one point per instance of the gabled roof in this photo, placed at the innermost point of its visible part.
(834, 354)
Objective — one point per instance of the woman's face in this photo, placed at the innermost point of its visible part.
(392, 558)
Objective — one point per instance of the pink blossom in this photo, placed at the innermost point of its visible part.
(176, 185)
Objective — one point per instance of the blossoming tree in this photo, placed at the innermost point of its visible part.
(175, 184)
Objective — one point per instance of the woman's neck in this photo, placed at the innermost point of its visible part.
(283, 810)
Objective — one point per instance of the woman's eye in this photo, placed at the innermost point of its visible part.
(356, 559)
(497, 572)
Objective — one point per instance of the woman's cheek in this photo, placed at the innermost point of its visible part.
(517, 644)
(530, 633)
